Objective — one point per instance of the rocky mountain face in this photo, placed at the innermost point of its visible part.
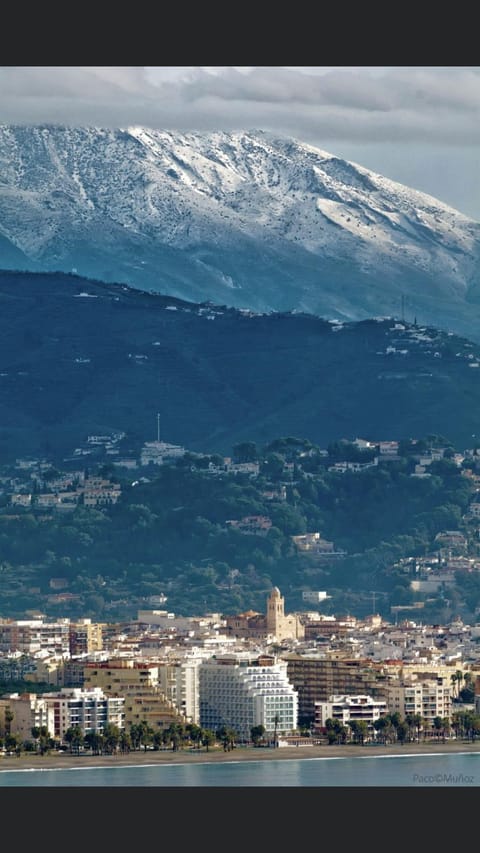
(245, 220)
(81, 357)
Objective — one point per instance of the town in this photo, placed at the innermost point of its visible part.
(255, 678)
(272, 678)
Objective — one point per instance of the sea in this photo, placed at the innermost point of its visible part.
(435, 770)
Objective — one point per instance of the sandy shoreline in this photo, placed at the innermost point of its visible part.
(152, 757)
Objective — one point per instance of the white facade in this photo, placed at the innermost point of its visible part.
(314, 596)
(349, 709)
(241, 691)
(90, 709)
(178, 681)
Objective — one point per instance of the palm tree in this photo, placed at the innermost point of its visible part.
(414, 723)
(446, 727)
(208, 738)
(467, 694)
(42, 738)
(336, 731)
(94, 741)
(438, 726)
(227, 736)
(135, 735)
(9, 717)
(13, 743)
(418, 721)
(257, 733)
(194, 732)
(125, 742)
(74, 737)
(158, 740)
(111, 738)
(174, 735)
(146, 734)
(35, 731)
(459, 679)
(276, 722)
(359, 729)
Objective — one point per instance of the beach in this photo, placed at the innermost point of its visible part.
(64, 760)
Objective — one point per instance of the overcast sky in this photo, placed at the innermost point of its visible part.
(416, 125)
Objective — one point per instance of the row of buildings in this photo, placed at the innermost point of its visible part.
(274, 670)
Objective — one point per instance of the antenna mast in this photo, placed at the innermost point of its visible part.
(158, 427)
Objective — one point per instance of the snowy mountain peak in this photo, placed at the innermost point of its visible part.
(246, 218)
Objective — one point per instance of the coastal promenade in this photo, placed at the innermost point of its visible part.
(27, 761)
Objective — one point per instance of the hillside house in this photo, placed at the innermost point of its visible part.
(256, 524)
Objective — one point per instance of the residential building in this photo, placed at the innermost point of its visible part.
(429, 697)
(138, 683)
(120, 676)
(348, 709)
(179, 682)
(90, 709)
(153, 708)
(28, 711)
(240, 691)
(317, 676)
(34, 635)
(85, 637)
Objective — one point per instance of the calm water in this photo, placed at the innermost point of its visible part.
(459, 770)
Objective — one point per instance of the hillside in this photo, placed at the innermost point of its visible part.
(80, 357)
(211, 539)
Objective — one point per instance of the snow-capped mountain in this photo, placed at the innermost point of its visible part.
(243, 219)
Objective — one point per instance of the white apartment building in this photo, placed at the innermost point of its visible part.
(241, 691)
(348, 709)
(88, 708)
(179, 682)
(428, 697)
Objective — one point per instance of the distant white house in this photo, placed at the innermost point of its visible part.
(314, 596)
(156, 452)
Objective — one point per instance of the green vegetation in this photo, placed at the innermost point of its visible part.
(171, 535)
(110, 739)
(73, 367)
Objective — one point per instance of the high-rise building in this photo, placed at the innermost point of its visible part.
(240, 691)
(316, 677)
(178, 681)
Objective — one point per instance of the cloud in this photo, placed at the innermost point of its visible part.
(439, 105)
(417, 125)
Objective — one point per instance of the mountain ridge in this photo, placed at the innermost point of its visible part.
(247, 219)
(80, 357)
